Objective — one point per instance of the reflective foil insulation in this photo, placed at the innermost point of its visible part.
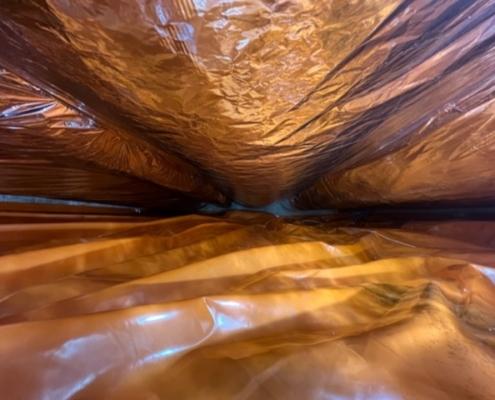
(366, 126)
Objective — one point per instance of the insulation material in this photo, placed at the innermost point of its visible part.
(269, 97)
(295, 106)
(247, 306)
(50, 149)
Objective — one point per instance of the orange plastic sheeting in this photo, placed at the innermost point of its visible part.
(50, 149)
(246, 307)
(327, 103)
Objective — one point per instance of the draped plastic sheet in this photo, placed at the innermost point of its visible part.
(215, 81)
(247, 306)
(421, 122)
(382, 101)
(49, 149)
(167, 103)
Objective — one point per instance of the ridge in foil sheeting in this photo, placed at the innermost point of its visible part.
(329, 103)
(245, 305)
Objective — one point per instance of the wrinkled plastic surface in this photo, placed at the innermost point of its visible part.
(246, 307)
(50, 149)
(423, 125)
(169, 103)
(379, 101)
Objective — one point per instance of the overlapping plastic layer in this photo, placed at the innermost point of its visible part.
(172, 103)
(246, 307)
(377, 101)
(50, 149)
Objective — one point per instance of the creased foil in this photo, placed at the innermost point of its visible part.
(246, 307)
(49, 149)
(375, 101)
(171, 103)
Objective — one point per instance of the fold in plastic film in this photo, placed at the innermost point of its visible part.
(246, 307)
